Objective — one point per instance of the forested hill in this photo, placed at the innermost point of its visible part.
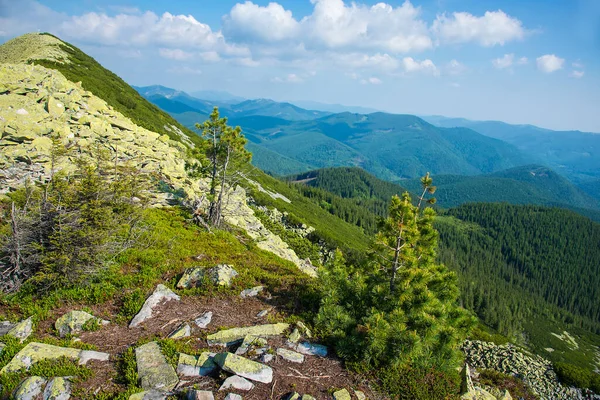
(532, 184)
(516, 263)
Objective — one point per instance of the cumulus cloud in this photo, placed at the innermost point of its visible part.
(249, 22)
(493, 28)
(504, 62)
(411, 65)
(549, 63)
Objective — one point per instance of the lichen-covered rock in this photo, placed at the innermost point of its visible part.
(478, 394)
(201, 365)
(160, 294)
(233, 396)
(304, 329)
(307, 397)
(293, 396)
(360, 395)
(290, 355)
(238, 383)
(58, 388)
(231, 336)
(243, 367)
(30, 388)
(253, 292)
(266, 358)
(221, 275)
(294, 337)
(203, 320)
(154, 372)
(181, 332)
(505, 396)
(73, 322)
(22, 330)
(311, 349)
(263, 313)
(35, 352)
(249, 342)
(342, 395)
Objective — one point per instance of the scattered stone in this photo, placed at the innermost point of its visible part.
(201, 365)
(194, 394)
(250, 341)
(466, 384)
(221, 274)
(73, 322)
(290, 355)
(245, 368)
(294, 337)
(203, 320)
(311, 349)
(342, 395)
(149, 395)
(251, 292)
(182, 332)
(35, 352)
(307, 397)
(505, 396)
(54, 107)
(360, 395)
(266, 358)
(305, 331)
(154, 372)
(263, 313)
(160, 293)
(58, 388)
(5, 327)
(233, 396)
(238, 383)
(22, 330)
(231, 336)
(30, 388)
(293, 396)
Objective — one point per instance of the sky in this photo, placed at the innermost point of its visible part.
(519, 61)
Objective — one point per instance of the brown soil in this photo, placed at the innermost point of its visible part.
(316, 376)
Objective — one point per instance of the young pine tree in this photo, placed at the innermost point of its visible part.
(400, 309)
(225, 153)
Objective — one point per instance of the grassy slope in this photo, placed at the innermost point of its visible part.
(112, 89)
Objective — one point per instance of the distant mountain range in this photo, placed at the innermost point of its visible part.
(472, 160)
(573, 154)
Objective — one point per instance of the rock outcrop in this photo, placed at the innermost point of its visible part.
(160, 294)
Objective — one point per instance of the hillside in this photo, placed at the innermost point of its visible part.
(532, 184)
(390, 146)
(573, 154)
(79, 67)
(118, 281)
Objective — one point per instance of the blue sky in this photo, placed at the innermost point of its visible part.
(535, 61)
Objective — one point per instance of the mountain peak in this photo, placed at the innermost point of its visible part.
(34, 46)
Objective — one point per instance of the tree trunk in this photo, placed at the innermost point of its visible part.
(223, 182)
(395, 263)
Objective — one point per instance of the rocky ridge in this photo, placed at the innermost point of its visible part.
(39, 106)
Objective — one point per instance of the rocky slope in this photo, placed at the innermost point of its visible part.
(40, 108)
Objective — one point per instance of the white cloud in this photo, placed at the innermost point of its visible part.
(175, 54)
(294, 78)
(245, 62)
(504, 62)
(493, 28)
(372, 80)
(411, 65)
(249, 22)
(210, 56)
(184, 70)
(577, 74)
(549, 63)
(577, 64)
(523, 61)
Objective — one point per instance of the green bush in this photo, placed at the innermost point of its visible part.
(419, 383)
(572, 375)
(515, 386)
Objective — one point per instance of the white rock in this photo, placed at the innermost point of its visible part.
(203, 320)
(238, 383)
(290, 355)
(233, 396)
(251, 292)
(160, 293)
(311, 349)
